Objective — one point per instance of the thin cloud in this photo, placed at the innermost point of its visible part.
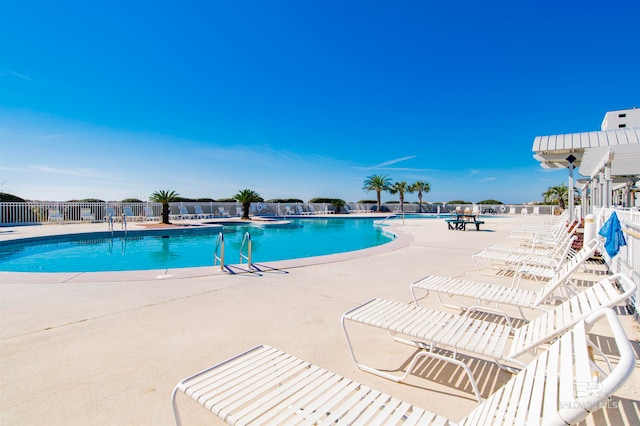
(397, 160)
(72, 172)
(406, 169)
(11, 73)
(487, 179)
(263, 155)
(388, 163)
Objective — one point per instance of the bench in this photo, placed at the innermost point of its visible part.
(461, 224)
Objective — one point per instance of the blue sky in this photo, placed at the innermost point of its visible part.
(303, 99)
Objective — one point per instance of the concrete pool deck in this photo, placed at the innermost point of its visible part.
(108, 348)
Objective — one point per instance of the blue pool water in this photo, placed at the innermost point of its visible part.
(100, 252)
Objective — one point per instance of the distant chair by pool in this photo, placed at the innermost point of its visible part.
(149, 215)
(128, 213)
(110, 212)
(55, 216)
(223, 212)
(184, 214)
(301, 211)
(201, 214)
(87, 215)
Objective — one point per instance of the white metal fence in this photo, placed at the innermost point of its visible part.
(40, 212)
(627, 260)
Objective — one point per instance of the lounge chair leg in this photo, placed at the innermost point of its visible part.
(422, 354)
(176, 415)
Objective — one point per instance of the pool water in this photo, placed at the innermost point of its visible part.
(300, 238)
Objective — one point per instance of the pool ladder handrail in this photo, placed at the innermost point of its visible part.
(385, 219)
(124, 224)
(246, 239)
(219, 248)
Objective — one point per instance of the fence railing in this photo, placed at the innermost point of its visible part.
(40, 212)
(627, 260)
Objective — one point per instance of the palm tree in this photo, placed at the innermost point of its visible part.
(246, 197)
(338, 204)
(400, 188)
(420, 187)
(377, 183)
(558, 194)
(164, 197)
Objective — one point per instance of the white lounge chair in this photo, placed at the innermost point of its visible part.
(183, 214)
(200, 214)
(430, 330)
(128, 213)
(545, 225)
(223, 212)
(610, 290)
(86, 215)
(149, 215)
(110, 213)
(544, 268)
(301, 211)
(266, 386)
(55, 216)
(504, 259)
(543, 239)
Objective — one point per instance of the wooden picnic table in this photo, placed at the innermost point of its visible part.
(462, 220)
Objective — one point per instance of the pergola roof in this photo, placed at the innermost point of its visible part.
(552, 151)
(626, 160)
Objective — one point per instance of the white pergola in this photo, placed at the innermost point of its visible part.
(604, 158)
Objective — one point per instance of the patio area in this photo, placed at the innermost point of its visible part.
(108, 348)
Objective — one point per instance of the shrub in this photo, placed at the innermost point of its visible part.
(321, 200)
(284, 200)
(4, 197)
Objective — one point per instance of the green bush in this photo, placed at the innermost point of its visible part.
(10, 198)
(321, 200)
(284, 200)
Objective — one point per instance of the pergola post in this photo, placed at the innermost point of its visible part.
(571, 159)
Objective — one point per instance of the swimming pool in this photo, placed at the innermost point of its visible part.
(189, 247)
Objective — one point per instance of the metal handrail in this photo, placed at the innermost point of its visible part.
(110, 223)
(385, 219)
(219, 248)
(247, 239)
(124, 224)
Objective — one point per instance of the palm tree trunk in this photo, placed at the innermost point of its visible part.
(165, 213)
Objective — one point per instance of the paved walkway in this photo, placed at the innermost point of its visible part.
(109, 348)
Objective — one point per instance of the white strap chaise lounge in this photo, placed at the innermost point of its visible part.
(558, 287)
(264, 386)
(503, 259)
(431, 330)
(543, 239)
